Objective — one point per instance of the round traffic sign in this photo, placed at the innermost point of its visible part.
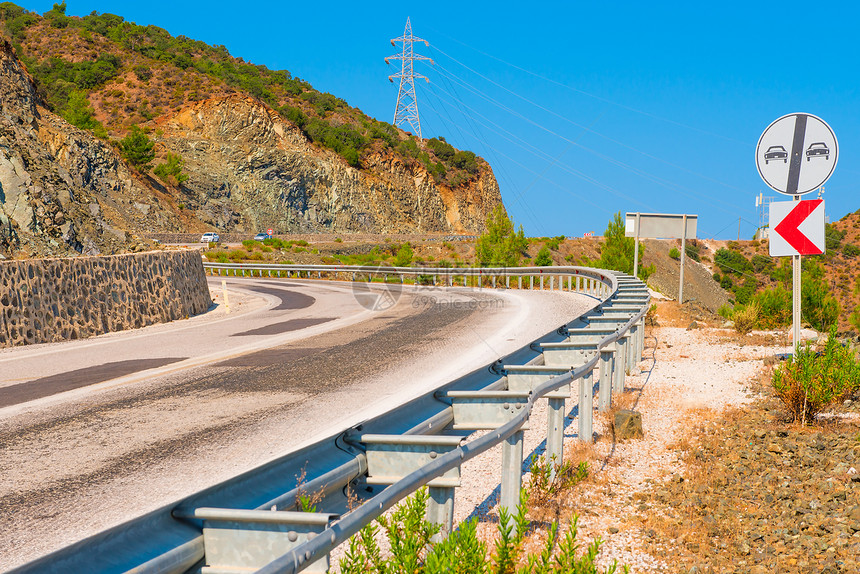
(796, 154)
(270, 231)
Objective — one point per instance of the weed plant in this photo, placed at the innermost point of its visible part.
(813, 381)
(746, 317)
(409, 535)
(549, 478)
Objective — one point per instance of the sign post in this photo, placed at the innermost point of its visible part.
(795, 155)
(667, 225)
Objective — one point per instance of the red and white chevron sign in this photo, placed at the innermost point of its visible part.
(797, 228)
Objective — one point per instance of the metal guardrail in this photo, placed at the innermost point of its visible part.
(209, 531)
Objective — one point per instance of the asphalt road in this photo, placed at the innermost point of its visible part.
(95, 432)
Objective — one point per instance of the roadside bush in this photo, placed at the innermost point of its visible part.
(617, 251)
(692, 250)
(774, 306)
(137, 149)
(409, 535)
(543, 486)
(730, 261)
(544, 258)
(818, 306)
(851, 250)
(812, 382)
(501, 245)
(675, 253)
(404, 255)
(746, 317)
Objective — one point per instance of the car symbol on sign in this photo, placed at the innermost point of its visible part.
(775, 152)
(817, 149)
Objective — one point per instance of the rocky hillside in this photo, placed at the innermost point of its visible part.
(257, 148)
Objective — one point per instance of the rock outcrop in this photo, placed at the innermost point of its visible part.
(64, 191)
(252, 169)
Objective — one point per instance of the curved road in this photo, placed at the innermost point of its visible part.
(98, 431)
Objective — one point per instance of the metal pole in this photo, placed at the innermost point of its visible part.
(512, 472)
(604, 394)
(636, 249)
(586, 406)
(795, 293)
(683, 255)
(555, 434)
(440, 510)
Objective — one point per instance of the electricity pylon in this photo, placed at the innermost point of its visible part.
(406, 110)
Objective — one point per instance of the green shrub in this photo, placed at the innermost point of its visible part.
(548, 478)
(410, 535)
(730, 261)
(851, 250)
(404, 255)
(812, 382)
(137, 148)
(725, 311)
(746, 317)
(617, 251)
(554, 242)
(775, 307)
(692, 250)
(500, 245)
(854, 318)
(832, 237)
(544, 258)
(170, 172)
(675, 253)
(818, 307)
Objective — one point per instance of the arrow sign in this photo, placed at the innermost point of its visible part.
(798, 228)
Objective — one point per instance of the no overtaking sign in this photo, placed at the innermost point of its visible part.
(796, 154)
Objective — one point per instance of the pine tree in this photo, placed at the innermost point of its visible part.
(137, 149)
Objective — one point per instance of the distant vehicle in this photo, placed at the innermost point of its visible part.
(262, 237)
(775, 152)
(816, 150)
(210, 237)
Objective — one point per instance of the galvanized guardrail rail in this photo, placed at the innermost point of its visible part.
(250, 523)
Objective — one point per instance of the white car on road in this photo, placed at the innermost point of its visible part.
(210, 237)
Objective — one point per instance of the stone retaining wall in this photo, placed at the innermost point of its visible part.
(47, 300)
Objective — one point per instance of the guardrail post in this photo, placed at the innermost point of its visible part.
(520, 282)
(507, 281)
(578, 282)
(641, 332)
(620, 364)
(555, 435)
(552, 282)
(512, 472)
(494, 281)
(604, 395)
(531, 282)
(541, 282)
(569, 280)
(586, 406)
(632, 347)
(440, 510)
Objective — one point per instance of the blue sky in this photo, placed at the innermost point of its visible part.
(582, 109)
